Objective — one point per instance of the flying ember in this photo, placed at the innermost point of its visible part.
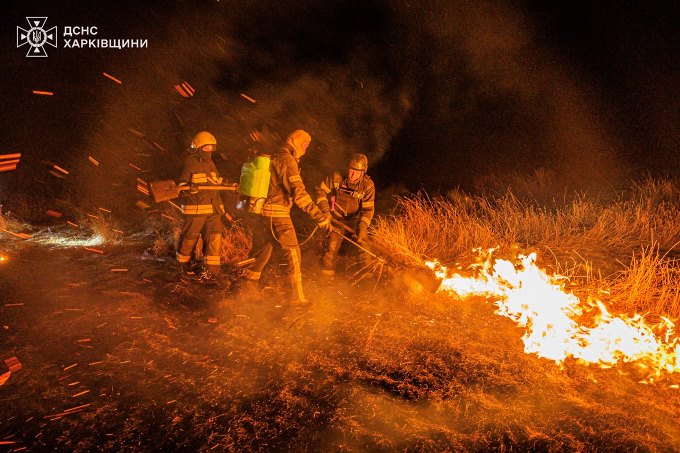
(553, 317)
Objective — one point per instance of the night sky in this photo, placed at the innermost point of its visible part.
(438, 94)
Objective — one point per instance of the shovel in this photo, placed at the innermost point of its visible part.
(167, 189)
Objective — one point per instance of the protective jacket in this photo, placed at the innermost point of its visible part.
(286, 187)
(275, 225)
(200, 169)
(346, 200)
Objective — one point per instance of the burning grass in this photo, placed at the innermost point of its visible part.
(423, 228)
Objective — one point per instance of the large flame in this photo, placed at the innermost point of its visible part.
(551, 316)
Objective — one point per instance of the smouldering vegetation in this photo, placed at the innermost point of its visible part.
(628, 245)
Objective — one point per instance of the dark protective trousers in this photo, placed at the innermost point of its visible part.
(330, 253)
(276, 231)
(210, 227)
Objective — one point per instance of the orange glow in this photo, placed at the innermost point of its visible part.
(43, 93)
(550, 316)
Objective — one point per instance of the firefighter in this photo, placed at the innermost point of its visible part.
(274, 227)
(202, 209)
(351, 200)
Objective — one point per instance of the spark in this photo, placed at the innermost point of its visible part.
(58, 168)
(181, 91)
(9, 162)
(245, 96)
(112, 78)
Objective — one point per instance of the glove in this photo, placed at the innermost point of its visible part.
(325, 222)
(361, 232)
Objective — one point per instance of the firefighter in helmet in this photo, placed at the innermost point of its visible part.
(274, 226)
(351, 200)
(202, 209)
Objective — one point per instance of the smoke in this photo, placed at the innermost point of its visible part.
(501, 100)
(501, 47)
(436, 94)
(248, 67)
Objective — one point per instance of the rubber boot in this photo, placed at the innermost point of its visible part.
(297, 294)
(187, 272)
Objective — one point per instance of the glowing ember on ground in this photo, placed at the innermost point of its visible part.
(552, 317)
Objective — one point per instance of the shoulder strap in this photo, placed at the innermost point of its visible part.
(337, 180)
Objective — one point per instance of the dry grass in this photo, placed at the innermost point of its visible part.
(105, 226)
(9, 222)
(649, 284)
(236, 243)
(422, 228)
(543, 186)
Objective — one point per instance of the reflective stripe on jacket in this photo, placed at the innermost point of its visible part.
(194, 209)
(352, 200)
(199, 168)
(286, 187)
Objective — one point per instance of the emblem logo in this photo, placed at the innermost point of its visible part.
(36, 37)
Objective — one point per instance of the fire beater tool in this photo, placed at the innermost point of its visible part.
(413, 278)
(166, 190)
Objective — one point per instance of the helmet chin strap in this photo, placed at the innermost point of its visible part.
(358, 178)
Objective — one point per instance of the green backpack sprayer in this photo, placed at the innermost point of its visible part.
(254, 182)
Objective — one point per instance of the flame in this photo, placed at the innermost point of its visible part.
(550, 315)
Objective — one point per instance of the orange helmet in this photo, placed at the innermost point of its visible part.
(204, 138)
(359, 162)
